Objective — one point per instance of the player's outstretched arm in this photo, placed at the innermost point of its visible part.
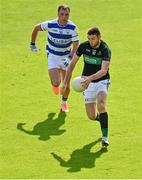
(75, 45)
(33, 38)
(69, 73)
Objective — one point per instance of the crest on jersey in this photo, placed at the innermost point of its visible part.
(99, 53)
(94, 52)
(67, 32)
(60, 31)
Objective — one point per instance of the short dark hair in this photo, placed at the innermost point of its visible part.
(64, 7)
(94, 31)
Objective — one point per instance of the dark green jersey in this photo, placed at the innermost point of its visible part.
(93, 58)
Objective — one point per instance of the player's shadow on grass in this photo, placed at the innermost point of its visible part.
(47, 128)
(81, 158)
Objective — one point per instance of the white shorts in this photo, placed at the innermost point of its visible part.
(58, 62)
(90, 94)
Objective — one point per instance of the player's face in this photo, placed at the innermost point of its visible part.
(63, 16)
(94, 40)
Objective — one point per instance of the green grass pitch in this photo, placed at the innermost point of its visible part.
(36, 140)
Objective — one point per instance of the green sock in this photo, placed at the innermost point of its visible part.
(104, 132)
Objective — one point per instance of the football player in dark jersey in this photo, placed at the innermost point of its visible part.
(96, 56)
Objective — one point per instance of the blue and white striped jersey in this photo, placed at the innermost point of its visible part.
(60, 37)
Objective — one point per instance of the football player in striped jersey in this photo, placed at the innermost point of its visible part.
(62, 43)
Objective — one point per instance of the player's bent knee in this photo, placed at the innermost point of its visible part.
(91, 116)
(55, 83)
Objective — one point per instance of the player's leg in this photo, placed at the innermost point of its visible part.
(64, 62)
(91, 110)
(63, 72)
(54, 72)
(103, 116)
(101, 105)
(90, 101)
(54, 75)
(64, 105)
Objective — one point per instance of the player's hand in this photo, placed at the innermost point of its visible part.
(86, 82)
(33, 47)
(66, 62)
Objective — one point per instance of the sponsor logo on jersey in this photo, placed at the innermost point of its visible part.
(92, 60)
(55, 30)
(60, 41)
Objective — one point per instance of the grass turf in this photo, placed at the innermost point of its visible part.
(69, 146)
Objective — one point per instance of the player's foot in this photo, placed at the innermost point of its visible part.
(56, 90)
(105, 142)
(64, 107)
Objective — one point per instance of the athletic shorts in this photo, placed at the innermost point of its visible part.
(58, 62)
(90, 94)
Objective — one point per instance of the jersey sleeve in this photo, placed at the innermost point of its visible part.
(75, 35)
(106, 54)
(80, 50)
(44, 26)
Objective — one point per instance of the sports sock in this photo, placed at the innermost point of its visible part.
(64, 100)
(104, 123)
